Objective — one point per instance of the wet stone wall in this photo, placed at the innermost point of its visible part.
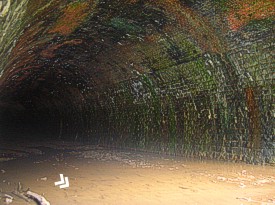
(219, 106)
(10, 26)
(182, 77)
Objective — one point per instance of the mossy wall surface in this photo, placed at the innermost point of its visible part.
(190, 78)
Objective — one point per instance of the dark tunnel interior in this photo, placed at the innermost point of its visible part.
(137, 102)
(172, 75)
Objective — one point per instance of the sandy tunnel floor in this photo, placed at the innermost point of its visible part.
(102, 176)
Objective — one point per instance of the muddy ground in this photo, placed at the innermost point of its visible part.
(99, 176)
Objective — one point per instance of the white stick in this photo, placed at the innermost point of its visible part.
(40, 199)
(21, 195)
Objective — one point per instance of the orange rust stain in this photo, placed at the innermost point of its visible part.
(254, 119)
(151, 38)
(73, 16)
(199, 28)
(49, 52)
(243, 11)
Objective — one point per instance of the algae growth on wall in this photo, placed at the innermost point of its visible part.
(190, 78)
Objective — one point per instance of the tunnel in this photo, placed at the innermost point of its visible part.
(178, 79)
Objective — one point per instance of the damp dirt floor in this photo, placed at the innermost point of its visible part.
(114, 177)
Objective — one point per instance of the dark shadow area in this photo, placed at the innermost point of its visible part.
(27, 125)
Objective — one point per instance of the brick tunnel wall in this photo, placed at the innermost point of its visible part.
(208, 95)
(226, 112)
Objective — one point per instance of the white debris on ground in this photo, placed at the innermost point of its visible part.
(127, 158)
(244, 179)
(43, 178)
(241, 178)
(40, 199)
(4, 159)
(8, 199)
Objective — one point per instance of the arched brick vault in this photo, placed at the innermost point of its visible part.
(179, 76)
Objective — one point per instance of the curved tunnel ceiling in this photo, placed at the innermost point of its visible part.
(58, 52)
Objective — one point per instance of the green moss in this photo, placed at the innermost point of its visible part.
(260, 25)
(180, 49)
(172, 127)
(221, 4)
(154, 58)
(125, 25)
